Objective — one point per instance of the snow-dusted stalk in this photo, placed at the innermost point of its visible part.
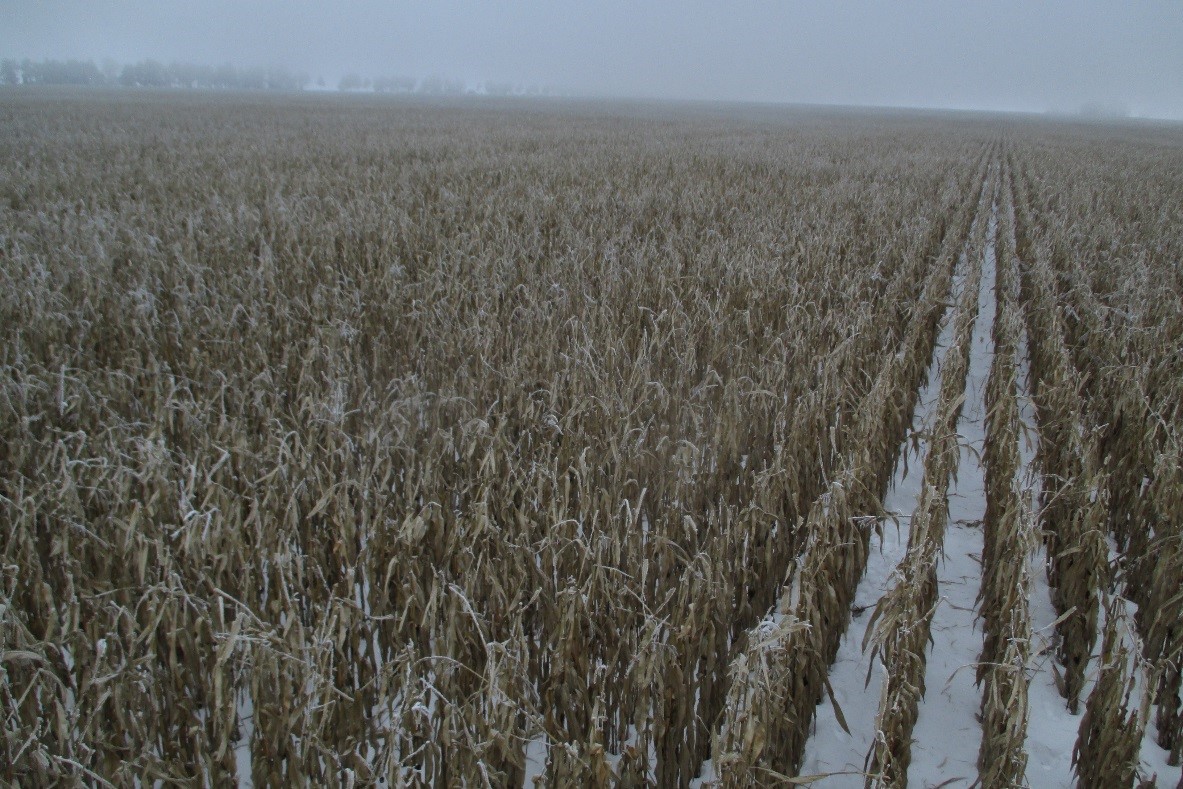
(1117, 710)
(899, 628)
(1009, 535)
(1114, 309)
(1073, 507)
(777, 682)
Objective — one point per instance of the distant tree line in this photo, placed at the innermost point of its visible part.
(155, 74)
(148, 74)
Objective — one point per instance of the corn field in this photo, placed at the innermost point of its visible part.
(348, 440)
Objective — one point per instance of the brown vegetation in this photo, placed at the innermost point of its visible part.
(346, 440)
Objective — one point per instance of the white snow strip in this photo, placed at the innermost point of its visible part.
(243, 752)
(948, 735)
(535, 761)
(1154, 759)
(830, 749)
(1051, 729)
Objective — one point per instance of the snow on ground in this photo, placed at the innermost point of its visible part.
(243, 752)
(1154, 760)
(858, 685)
(947, 734)
(1051, 729)
(535, 760)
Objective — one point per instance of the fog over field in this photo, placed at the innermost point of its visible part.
(1069, 57)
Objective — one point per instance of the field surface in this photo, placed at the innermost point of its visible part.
(348, 440)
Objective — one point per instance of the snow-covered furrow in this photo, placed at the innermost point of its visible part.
(1052, 730)
(947, 733)
(856, 682)
(856, 676)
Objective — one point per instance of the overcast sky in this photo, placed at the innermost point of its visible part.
(1000, 54)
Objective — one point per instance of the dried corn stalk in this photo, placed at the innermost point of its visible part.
(1008, 539)
(900, 627)
(1115, 715)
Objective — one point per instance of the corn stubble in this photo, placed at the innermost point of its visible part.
(463, 446)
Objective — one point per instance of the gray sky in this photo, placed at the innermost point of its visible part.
(1033, 55)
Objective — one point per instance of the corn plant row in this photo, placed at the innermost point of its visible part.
(1073, 506)
(1141, 447)
(1118, 708)
(1115, 324)
(777, 681)
(1111, 387)
(1009, 535)
(1133, 670)
(1156, 591)
(684, 753)
(899, 627)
